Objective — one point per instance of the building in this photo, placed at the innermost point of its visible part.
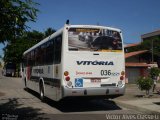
(154, 38)
(150, 35)
(135, 65)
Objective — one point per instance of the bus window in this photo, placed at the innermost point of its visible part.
(50, 52)
(58, 46)
(10, 69)
(89, 39)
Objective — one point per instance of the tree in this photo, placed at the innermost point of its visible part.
(14, 14)
(14, 50)
(155, 42)
(49, 31)
(154, 72)
(149, 44)
(145, 84)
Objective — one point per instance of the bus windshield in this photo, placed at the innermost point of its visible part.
(10, 66)
(93, 39)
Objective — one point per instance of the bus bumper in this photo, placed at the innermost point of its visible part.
(108, 92)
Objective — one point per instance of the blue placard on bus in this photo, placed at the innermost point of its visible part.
(78, 82)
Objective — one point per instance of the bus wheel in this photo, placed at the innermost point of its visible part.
(25, 85)
(41, 92)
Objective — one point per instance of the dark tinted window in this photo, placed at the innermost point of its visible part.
(10, 66)
(50, 52)
(58, 47)
(90, 39)
(47, 53)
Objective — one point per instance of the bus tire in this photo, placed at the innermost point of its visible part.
(25, 85)
(41, 90)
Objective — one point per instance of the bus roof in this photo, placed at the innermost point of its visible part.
(43, 41)
(60, 31)
(95, 26)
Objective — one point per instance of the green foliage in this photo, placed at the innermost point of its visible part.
(154, 72)
(135, 48)
(49, 31)
(147, 45)
(14, 50)
(145, 84)
(14, 14)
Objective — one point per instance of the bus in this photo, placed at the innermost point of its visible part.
(77, 61)
(9, 69)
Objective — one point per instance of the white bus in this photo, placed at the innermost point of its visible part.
(77, 61)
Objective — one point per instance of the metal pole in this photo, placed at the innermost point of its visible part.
(152, 52)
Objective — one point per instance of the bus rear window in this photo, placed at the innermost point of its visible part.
(91, 39)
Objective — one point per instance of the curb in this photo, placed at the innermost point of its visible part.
(138, 108)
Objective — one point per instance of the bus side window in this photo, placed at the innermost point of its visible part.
(50, 52)
(44, 58)
(58, 47)
(29, 59)
(36, 56)
(24, 60)
(32, 58)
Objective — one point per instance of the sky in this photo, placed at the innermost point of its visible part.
(133, 17)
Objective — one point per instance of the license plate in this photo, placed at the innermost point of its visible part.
(95, 80)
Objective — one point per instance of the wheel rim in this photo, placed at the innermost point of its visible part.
(41, 93)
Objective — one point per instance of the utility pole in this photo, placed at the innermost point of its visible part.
(152, 52)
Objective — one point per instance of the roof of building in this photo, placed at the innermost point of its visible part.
(137, 65)
(154, 33)
(127, 55)
(131, 45)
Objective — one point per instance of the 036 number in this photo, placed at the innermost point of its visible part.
(106, 72)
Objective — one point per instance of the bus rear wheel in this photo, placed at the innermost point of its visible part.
(41, 92)
(25, 85)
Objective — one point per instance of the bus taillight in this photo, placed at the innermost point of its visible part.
(67, 78)
(66, 73)
(122, 73)
(122, 78)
